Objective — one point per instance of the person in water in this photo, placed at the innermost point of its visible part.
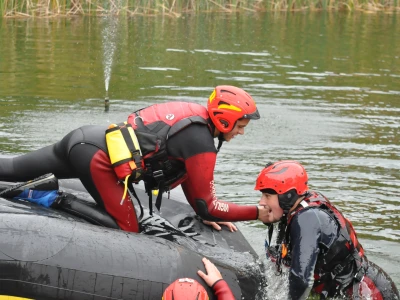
(177, 143)
(315, 240)
(190, 289)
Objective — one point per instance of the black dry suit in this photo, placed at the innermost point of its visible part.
(324, 252)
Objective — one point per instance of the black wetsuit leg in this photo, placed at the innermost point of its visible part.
(80, 158)
(92, 166)
(80, 154)
(50, 159)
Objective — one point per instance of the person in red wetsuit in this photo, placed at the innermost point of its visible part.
(177, 143)
(188, 289)
(214, 279)
(316, 241)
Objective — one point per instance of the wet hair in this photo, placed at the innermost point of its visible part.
(269, 191)
(286, 200)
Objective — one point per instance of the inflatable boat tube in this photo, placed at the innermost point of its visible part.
(76, 251)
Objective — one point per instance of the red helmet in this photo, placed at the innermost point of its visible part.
(185, 289)
(287, 178)
(227, 104)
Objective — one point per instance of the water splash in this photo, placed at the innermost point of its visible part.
(109, 35)
(277, 285)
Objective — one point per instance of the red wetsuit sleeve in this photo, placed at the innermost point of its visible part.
(222, 290)
(199, 189)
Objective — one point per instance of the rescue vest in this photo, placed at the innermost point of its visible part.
(345, 250)
(347, 240)
(153, 126)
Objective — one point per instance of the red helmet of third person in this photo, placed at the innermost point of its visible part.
(287, 178)
(227, 104)
(185, 289)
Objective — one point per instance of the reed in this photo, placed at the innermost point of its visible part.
(175, 8)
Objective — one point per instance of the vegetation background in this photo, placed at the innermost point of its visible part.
(175, 8)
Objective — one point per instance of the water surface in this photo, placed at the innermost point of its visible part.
(327, 87)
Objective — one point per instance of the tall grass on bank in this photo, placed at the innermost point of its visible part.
(51, 8)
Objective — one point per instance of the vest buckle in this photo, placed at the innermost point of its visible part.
(158, 176)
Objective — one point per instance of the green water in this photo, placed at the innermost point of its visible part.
(327, 86)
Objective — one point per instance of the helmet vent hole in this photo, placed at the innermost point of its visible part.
(225, 123)
(226, 91)
(223, 102)
(247, 103)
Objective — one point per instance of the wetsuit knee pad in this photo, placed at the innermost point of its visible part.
(202, 211)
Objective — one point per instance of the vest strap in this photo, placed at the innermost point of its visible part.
(150, 193)
(304, 204)
(133, 194)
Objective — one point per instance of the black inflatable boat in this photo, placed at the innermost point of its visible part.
(75, 251)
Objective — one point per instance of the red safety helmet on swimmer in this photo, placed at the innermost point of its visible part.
(185, 289)
(227, 104)
(283, 176)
